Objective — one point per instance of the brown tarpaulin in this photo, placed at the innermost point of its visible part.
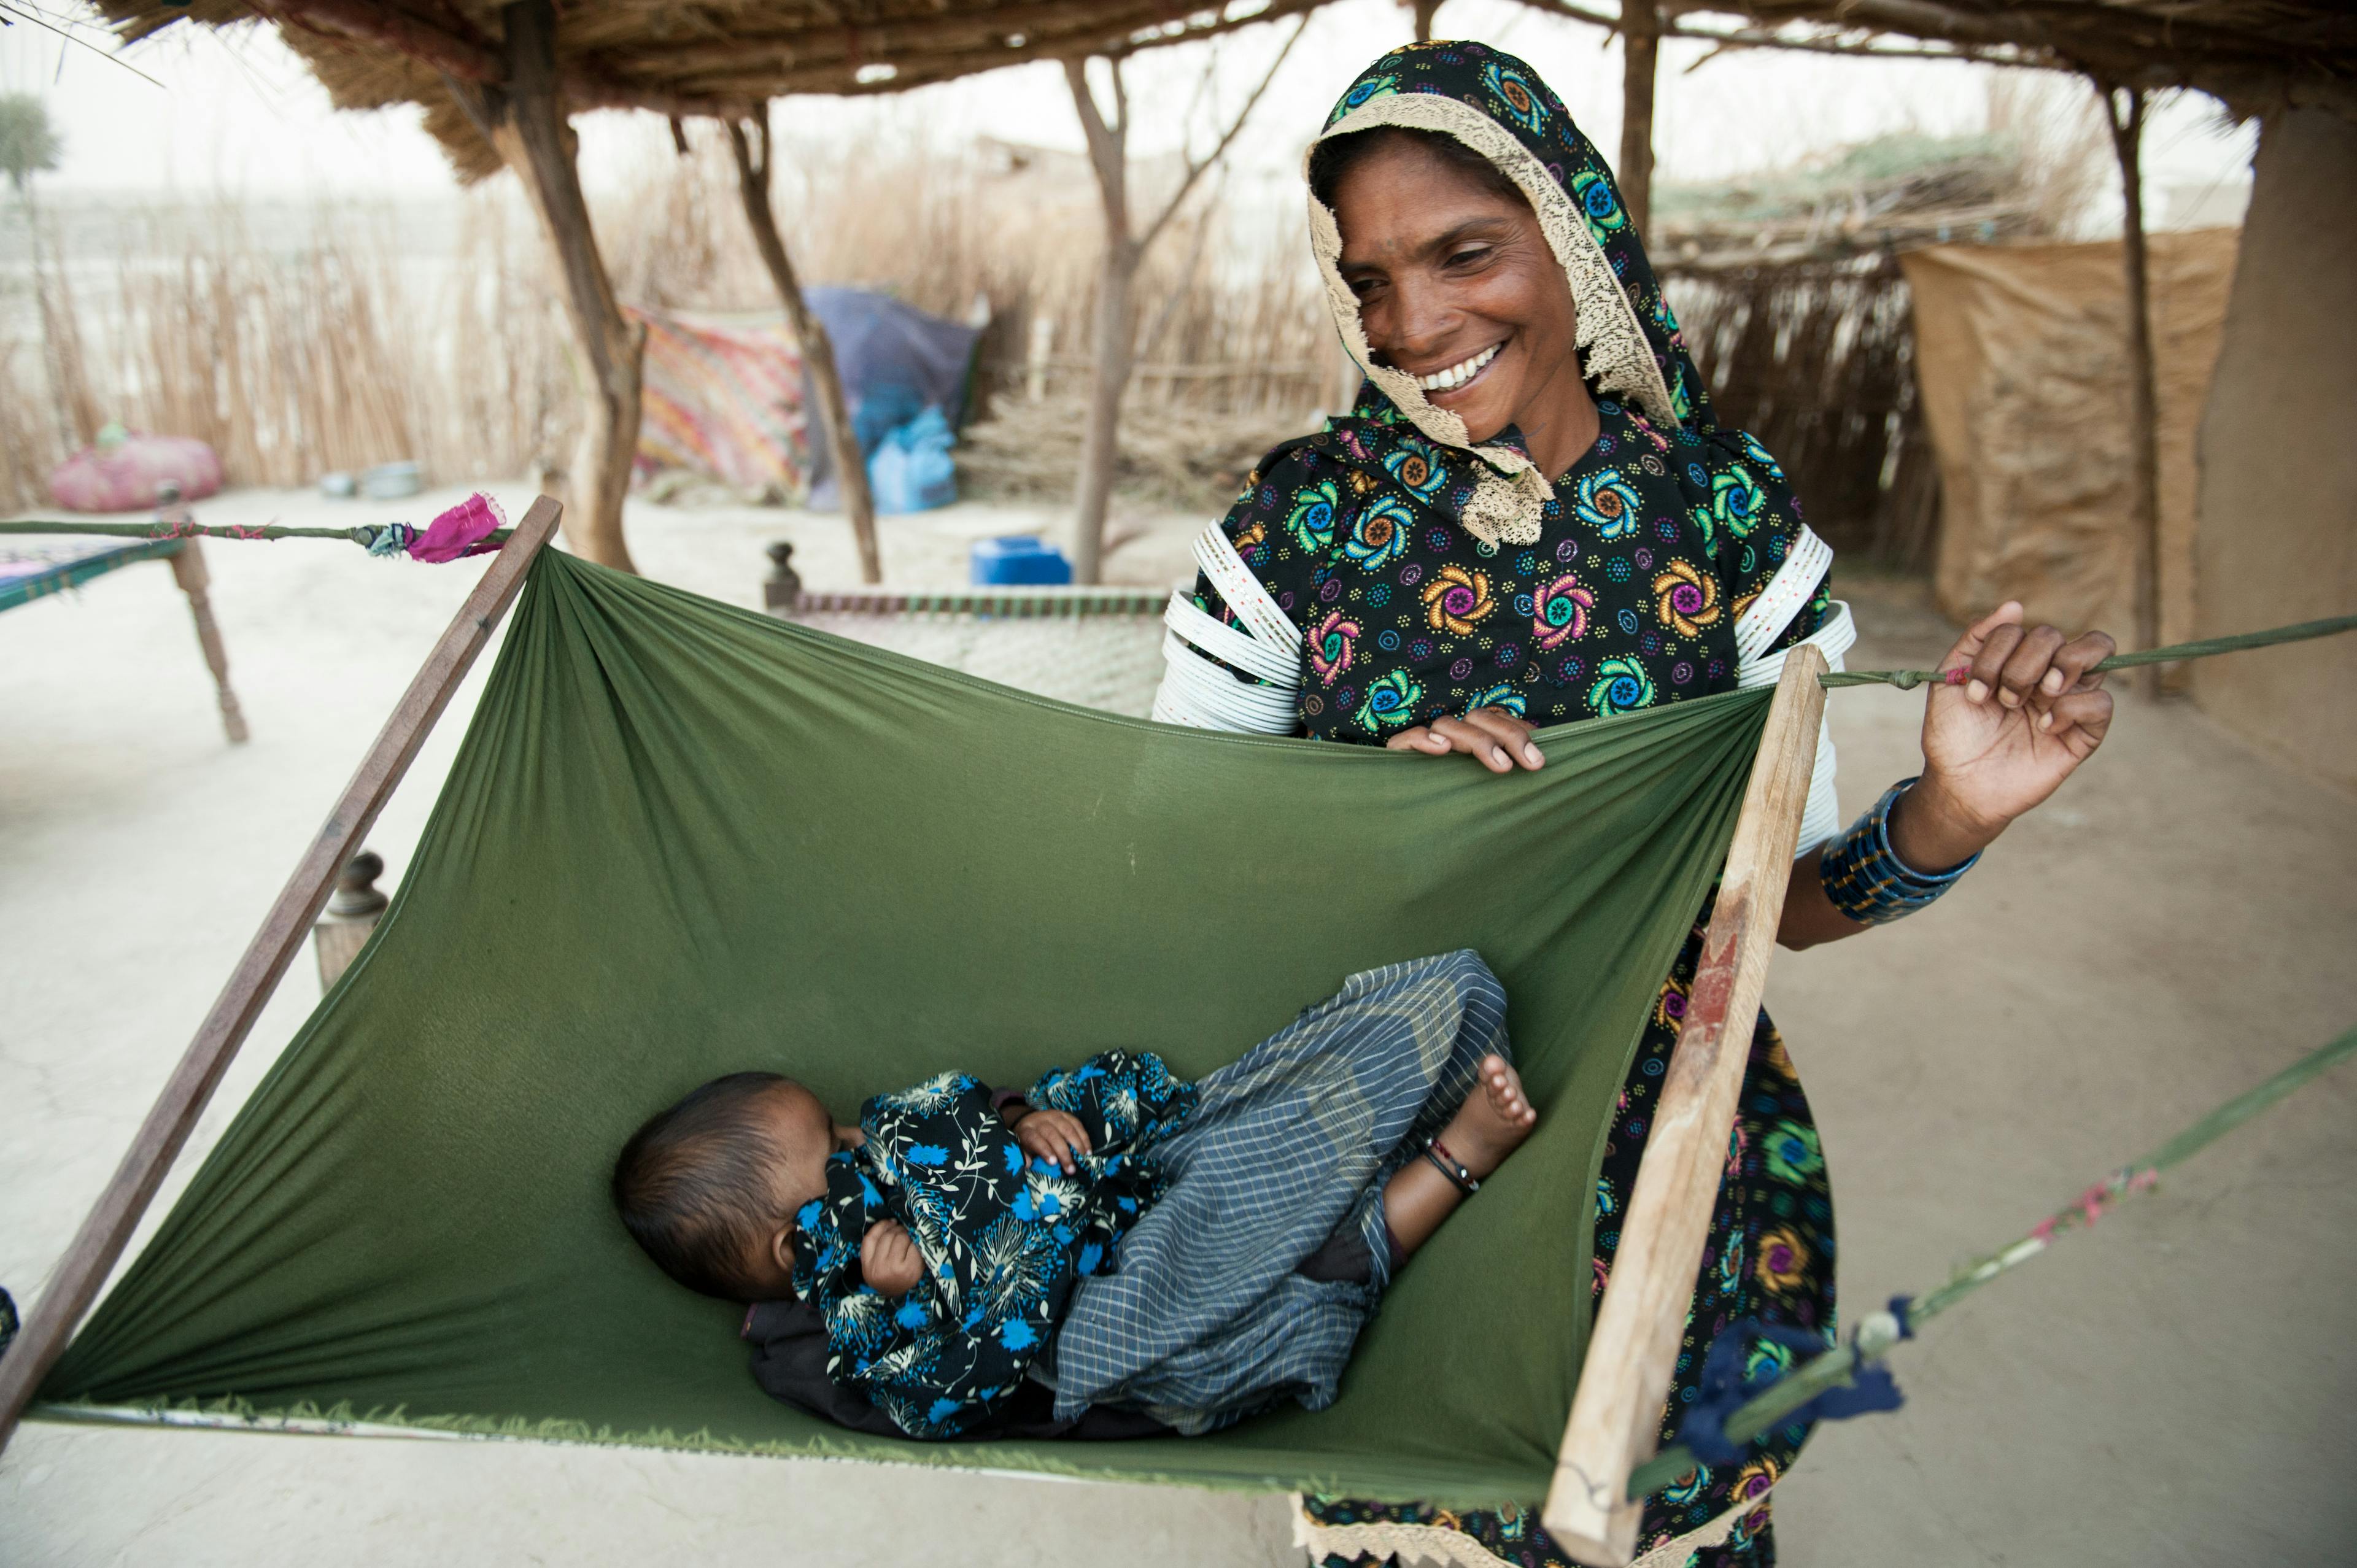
(2021, 351)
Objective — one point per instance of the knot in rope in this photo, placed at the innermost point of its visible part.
(387, 540)
(1725, 1386)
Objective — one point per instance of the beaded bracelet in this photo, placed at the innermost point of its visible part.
(1448, 1164)
(1867, 881)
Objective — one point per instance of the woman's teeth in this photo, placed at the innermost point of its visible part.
(1458, 375)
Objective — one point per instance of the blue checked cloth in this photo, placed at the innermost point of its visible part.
(1205, 1321)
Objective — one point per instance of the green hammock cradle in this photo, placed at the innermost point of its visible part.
(681, 839)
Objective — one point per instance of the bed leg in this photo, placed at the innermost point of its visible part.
(1616, 1416)
(189, 571)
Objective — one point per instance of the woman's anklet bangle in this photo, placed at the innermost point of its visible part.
(1447, 1164)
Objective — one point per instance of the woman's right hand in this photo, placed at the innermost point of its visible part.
(1493, 736)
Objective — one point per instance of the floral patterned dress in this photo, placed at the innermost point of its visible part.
(1430, 575)
(1004, 1237)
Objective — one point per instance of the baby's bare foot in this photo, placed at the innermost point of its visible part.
(1493, 1121)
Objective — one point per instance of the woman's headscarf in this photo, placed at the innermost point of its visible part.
(1629, 343)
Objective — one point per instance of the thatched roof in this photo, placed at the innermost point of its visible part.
(719, 57)
(2256, 56)
(704, 56)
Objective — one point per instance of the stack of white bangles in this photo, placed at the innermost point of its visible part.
(1267, 645)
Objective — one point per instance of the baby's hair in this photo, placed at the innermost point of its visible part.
(693, 1184)
(1333, 160)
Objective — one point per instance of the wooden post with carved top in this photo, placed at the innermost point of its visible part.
(354, 910)
(1616, 1416)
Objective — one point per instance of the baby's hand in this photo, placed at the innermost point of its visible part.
(1056, 1136)
(889, 1260)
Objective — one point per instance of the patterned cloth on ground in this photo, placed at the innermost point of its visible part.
(723, 397)
(1206, 1320)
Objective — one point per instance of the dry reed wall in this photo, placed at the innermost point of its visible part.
(339, 339)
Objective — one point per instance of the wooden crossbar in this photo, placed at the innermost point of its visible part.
(1616, 1416)
(107, 1229)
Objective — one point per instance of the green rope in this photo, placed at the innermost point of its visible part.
(1881, 1330)
(1908, 679)
(182, 530)
(365, 535)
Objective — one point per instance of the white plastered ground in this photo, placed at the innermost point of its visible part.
(2178, 1386)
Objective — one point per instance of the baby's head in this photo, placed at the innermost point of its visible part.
(710, 1187)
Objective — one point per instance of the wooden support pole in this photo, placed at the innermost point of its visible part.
(1426, 11)
(189, 572)
(818, 349)
(524, 120)
(106, 1230)
(1641, 47)
(2123, 110)
(1113, 342)
(1616, 1416)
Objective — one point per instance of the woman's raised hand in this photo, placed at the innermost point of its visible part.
(2028, 713)
(1493, 735)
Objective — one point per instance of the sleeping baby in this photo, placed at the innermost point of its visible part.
(1111, 1252)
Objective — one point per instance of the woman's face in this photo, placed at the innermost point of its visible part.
(1458, 288)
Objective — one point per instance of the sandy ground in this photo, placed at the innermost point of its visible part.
(2177, 1386)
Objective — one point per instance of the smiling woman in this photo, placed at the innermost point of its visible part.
(1456, 280)
(1531, 516)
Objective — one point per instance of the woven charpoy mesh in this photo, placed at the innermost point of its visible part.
(681, 839)
(1100, 651)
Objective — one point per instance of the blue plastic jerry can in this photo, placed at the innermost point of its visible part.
(1022, 559)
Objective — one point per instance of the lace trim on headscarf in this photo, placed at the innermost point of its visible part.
(1507, 499)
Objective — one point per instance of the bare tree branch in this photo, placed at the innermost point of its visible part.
(1107, 153)
(1163, 318)
(1733, 40)
(1195, 168)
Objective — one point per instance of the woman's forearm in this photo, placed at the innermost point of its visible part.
(1810, 917)
(1929, 831)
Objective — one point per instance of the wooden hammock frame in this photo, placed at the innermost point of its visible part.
(1625, 1378)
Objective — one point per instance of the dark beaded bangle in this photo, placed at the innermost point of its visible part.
(1867, 881)
(1445, 1164)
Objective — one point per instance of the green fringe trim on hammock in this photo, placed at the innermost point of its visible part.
(308, 1419)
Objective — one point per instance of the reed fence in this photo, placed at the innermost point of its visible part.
(339, 342)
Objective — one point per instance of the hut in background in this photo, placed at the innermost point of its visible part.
(2275, 530)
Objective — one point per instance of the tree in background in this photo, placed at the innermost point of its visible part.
(29, 144)
(1116, 308)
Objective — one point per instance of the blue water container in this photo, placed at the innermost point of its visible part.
(1022, 560)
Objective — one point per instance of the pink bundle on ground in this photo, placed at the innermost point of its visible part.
(123, 476)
